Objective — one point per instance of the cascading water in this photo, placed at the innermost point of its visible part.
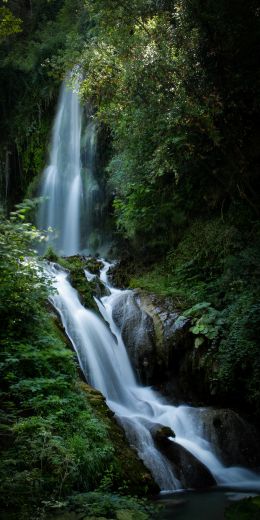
(62, 185)
(106, 366)
(73, 207)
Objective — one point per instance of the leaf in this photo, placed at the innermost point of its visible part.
(199, 341)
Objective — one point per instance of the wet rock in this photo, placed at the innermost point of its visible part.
(137, 331)
(98, 288)
(171, 329)
(93, 264)
(160, 432)
(130, 467)
(152, 332)
(235, 441)
(189, 470)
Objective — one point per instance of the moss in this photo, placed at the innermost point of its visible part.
(93, 265)
(76, 265)
(51, 256)
(128, 470)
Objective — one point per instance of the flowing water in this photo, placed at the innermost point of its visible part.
(73, 206)
(62, 185)
(105, 363)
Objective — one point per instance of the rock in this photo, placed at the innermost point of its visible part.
(171, 332)
(93, 264)
(160, 432)
(155, 334)
(98, 288)
(137, 331)
(189, 470)
(235, 441)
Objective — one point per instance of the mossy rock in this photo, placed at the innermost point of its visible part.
(93, 265)
(130, 470)
(76, 265)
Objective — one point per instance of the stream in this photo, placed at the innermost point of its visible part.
(139, 409)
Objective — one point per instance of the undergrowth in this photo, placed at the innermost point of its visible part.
(53, 442)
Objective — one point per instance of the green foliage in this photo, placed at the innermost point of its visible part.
(175, 97)
(238, 353)
(105, 505)
(208, 324)
(26, 291)
(9, 24)
(102, 504)
(57, 437)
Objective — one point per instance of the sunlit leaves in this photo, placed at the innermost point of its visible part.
(9, 24)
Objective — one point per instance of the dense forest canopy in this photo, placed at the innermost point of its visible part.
(175, 89)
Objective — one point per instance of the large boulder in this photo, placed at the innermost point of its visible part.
(137, 331)
(235, 441)
(152, 331)
(172, 336)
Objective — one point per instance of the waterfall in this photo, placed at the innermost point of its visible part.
(73, 207)
(104, 361)
(62, 185)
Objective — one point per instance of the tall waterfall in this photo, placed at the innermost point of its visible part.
(73, 200)
(104, 361)
(62, 185)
